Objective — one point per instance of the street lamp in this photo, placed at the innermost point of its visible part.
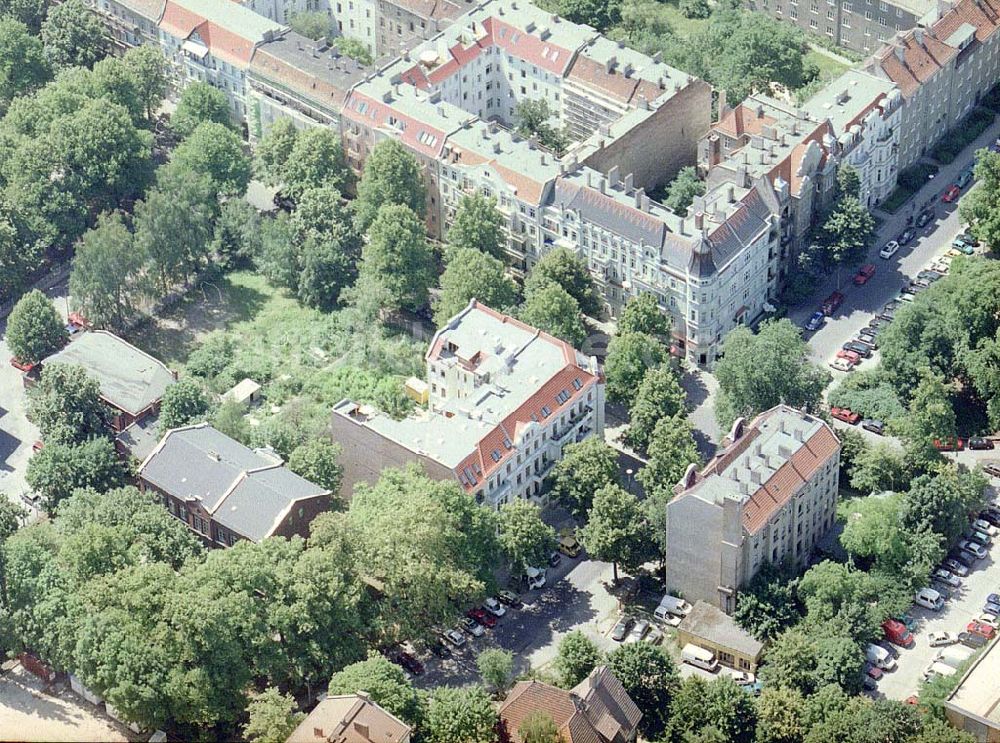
(629, 473)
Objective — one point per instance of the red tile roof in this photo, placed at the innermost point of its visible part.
(529, 47)
(919, 63)
(984, 15)
(743, 120)
(592, 73)
(225, 45)
(416, 135)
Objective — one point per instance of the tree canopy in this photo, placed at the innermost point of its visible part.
(392, 176)
(683, 189)
(630, 357)
(73, 36)
(617, 530)
(478, 224)
(34, 328)
(586, 467)
(398, 257)
(200, 103)
(472, 274)
(565, 268)
(552, 309)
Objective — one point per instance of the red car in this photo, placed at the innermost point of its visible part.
(21, 365)
(483, 617)
(37, 446)
(951, 194)
(864, 273)
(851, 356)
(845, 414)
(896, 633)
(949, 445)
(980, 628)
(78, 320)
(410, 663)
(874, 671)
(831, 303)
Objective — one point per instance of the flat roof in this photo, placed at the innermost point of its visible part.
(849, 96)
(714, 625)
(130, 379)
(978, 693)
(233, 17)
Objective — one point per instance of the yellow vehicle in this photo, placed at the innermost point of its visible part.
(569, 546)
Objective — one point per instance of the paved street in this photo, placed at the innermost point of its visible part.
(966, 604)
(861, 302)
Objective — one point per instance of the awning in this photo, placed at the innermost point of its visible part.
(195, 49)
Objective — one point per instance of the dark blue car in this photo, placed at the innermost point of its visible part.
(815, 321)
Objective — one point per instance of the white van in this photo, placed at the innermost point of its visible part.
(929, 599)
(536, 577)
(954, 655)
(880, 657)
(671, 605)
(699, 657)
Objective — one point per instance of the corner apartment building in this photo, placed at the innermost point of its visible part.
(505, 399)
(942, 69)
(769, 495)
(130, 22)
(859, 25)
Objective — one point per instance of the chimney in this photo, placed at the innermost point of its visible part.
(362, 730)
(601, 184)
(680, 227)
(699, 221)
(755, 477)
(613, 176)
(638, 198)
(723, 108)
(657, 57)
(318, 733)
(797, 433)
(589, 184)
(628, 182)
(730, 193)
(610, 63)
(900, 53)
(918, 34)
(645, 203)
(760, 111)
(784, 452)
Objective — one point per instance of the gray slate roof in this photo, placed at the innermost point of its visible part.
(713, 624)
(245, 490)
(130, 379)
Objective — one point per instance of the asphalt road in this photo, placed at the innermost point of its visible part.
(861, 302)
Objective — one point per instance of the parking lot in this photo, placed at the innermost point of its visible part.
(965, 605)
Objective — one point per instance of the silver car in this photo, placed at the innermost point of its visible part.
(639, 631)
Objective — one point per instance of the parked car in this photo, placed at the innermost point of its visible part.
(993, 609)
(483, 617)
(924, 217)
(874, 425)
(947, 577)
(897, 633)
(962, 247)
(846, 415)
(942, 589)
(978, 442)
(940, 266)
(831, 303)
(873, 671)
(408, 662)
(868, 337)
(454, 637)
(979, 537)
(940, 639)
(441, 650)
(471, 626)
(851, 356)
(985, 526)
(621, 629)
(929, 599)
(977, 549)
(869, 684)
(842, 365)
(536, 577)
(889, 249)
(964, 178)
(653, 637)
(970, 239)
(990, 517)
(963, 556)
(980, 628)
(815, 321)
(955, 566)
(993, 598)
(955, 444)
(494, 607)
(859, 348)
(972, 639)
(554, 559)
(568, 545)
(639, 630)
(864, 273)
(951, 193)
(928, 276)
(906, 235)
(510, 598)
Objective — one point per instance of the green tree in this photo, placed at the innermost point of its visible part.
(29, 12)
(73, 36)
(460, 715)
(539, 727)
(684, 188)
(878, 468)
(58, 470)
(273, 151)
(173, 225)
(659, 396)
(931, 413)
(695, 8)
(848, 181)
(586, 467)
(317, 460)
(671, 449)
(230, 419)
(17, 260)
(642, 314)
(392, 176)
(148, 68)
(479, 225)
(780, 716)
(384, 682)
(472, 274)
(630, 357)
(65, 404)
(552, 309)
(273, 717)
(106, 280)
(119, 83)
(427, 542)
(759, 371)
(731, 710)
(599, 15)
(355, 49)
(397, 254)
(183, 402)
(939, 504)
(650, 679)
(576, 657)
(524, 538)
(565, 268)
(216, 151)
(533, 118)
(313, 24)
(316, 160)
(12, 515)
(200, 103)
(768, 604)
(496, 666)
(34, 328)
(980, 208)
(325, 247)
(848, 231)
(616, 530)
(687, 711)
(23, 66)
(237, 239)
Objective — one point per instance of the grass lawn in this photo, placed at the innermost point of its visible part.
(896, 199)
(685, 27)
(829, 68)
